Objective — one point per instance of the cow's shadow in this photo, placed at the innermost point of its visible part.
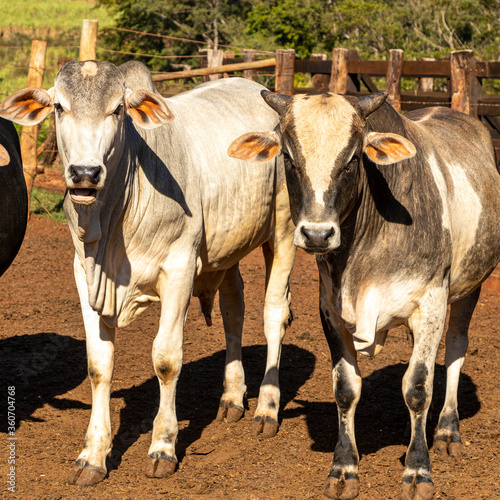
(41, 367)
(198, 393)
(382, 418)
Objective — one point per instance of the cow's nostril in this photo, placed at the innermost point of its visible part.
(94, 174)
(306, 232)
(328, 234)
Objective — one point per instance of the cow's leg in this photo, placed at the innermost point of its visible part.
(448, 436)
(343, 480)
(90, 466)
(427, 324)
(279, 262)
(175, 294)
(232, 306)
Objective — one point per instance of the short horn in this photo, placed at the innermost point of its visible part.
(278, 102)
(370, 103)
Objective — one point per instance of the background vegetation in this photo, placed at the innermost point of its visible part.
(423, 28)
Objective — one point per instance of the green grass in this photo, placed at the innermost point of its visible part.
(47, 204)
(61, 14)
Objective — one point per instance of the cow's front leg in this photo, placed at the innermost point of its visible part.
(343, 480)
(447, 439)
(232, 306)
(277, 315)
(175, 293)
(90, 466)
(427, 324)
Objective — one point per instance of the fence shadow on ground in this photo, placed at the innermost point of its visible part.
(41, 367)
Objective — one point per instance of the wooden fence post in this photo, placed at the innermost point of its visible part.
(339, 81)
(393, 78)
(319, 81)
(88, 40)
(426, 84)
(464, 85)
(29, 135)
(249, 56)
(284, 71)
(215, 58)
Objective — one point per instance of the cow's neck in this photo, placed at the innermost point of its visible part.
(381, 201)
(95, 229)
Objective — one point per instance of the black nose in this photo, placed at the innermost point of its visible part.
(317, 238)
(89, 174)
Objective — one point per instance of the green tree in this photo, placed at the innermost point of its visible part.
(373, 27)
(212, 21)
(303, 25)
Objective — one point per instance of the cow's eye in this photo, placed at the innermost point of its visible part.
(351, 165)
(287, 158)
(118, 110)
(58, 108)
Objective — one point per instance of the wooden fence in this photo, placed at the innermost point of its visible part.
(345, 73)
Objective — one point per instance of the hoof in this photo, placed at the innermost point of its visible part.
(232, 413)
(419, 491)
(455, 450)
(159, 465)
(444, 448)
(267, 427)
(339, 489)
(86, 475)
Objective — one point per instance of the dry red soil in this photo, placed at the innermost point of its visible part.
(42, 349)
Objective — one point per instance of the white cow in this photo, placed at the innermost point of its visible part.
(158, 212)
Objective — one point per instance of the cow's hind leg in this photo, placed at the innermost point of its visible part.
(427, 324)
(90, 467)
(447, 440)
(279, 261)
(175, 296)
(232, 306)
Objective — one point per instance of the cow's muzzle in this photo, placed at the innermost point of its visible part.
(85, 180)
(317, 238)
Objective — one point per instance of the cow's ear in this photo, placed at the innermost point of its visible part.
(147, 109)
(257, 147)
(385, 149)
(4, 156)
(28, 107)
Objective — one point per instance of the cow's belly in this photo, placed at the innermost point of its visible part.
(239, 218)
(471, 204)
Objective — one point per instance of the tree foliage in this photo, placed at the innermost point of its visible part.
(431, 28)
(210, 21)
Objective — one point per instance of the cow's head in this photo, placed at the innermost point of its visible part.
(90, 103)
(323, 138)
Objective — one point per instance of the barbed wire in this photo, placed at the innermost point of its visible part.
(148, 55)
(183, 39)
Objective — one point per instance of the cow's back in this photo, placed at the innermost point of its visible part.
(13, 197)
(462, 161)
(237, 196)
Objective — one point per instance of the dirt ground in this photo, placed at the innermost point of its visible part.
(42, 350)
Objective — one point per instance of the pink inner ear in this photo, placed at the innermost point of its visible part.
(4, 157)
